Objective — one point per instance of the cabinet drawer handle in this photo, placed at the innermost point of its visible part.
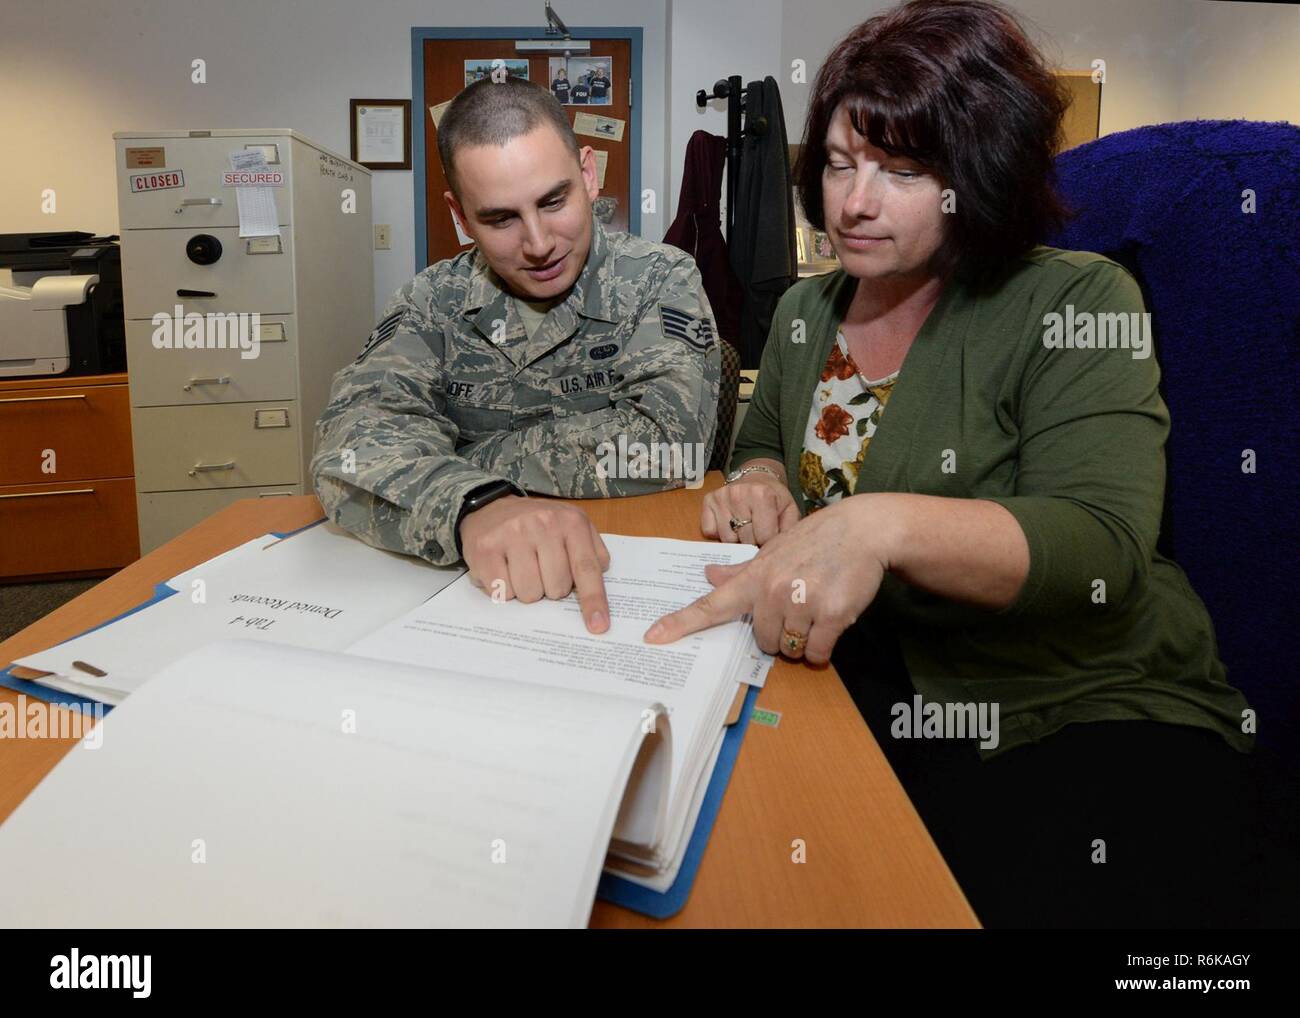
(40, 399)
(219, 380)
(197, 201)
(203, 468)
(195, 293)
(37, 494)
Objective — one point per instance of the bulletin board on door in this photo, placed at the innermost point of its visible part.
(597, 90)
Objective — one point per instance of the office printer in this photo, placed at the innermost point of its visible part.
(60, 305)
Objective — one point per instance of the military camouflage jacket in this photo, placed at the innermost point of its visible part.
(449, 393)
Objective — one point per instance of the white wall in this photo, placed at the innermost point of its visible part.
(72, 73)
(710, 41)
(1140, 40)
(1242, 60)
(1165, 59)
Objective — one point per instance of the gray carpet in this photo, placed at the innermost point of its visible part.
(21, 604)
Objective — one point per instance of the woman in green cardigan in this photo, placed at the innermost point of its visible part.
(953, 466)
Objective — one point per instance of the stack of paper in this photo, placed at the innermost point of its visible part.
(546, 642)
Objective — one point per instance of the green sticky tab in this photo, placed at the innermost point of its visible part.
(771, 718)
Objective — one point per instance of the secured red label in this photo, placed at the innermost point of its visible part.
(252, 178)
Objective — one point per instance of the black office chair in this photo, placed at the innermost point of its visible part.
(728, 397)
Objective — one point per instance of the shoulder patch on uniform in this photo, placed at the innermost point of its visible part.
(677, 324)
(381, 332)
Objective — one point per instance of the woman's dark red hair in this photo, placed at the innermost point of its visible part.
(957, 86)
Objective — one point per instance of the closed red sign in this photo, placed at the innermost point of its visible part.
(159, 181)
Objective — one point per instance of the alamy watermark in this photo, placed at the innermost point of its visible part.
(75, 971)
(666, 460)
(1085, 330)
(935, 720)
(36, 719)
(212, 330)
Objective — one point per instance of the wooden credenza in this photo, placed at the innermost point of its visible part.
(67, 479)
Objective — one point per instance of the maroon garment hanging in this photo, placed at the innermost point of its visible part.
(698, 231)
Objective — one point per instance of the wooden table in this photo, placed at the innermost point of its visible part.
(817, 777)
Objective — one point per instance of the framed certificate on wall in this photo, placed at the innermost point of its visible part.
(381, 133)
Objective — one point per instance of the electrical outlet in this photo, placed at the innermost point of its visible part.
(383, 237)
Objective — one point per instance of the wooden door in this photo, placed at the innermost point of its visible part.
(445, 75)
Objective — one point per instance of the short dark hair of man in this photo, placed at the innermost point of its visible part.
(957, 86)
(494, 112)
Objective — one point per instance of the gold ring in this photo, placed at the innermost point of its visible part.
(793, 643)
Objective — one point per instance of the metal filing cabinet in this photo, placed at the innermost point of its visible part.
(212, 425)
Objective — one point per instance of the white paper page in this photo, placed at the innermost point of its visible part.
(754, 670)
(665, 879)
(436, 112)
(230, 792)
(462, 238)
(320, 587)
(546, 642)
(381, 137)
(233, 558)
(257, 213)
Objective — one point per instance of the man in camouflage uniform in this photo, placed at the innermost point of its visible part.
(521, 365)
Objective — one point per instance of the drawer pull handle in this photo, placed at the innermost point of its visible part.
(219, 380)
(38, 494)
(203, 468)
(197, 201)
(40, 399)
(195, 293)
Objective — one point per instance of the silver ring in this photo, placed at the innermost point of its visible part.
(737, 524)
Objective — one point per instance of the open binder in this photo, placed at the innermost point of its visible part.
(629, 892)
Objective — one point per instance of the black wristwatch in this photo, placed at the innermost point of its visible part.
(477, 498)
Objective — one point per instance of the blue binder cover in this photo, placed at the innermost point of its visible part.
(617, 890)
(160, 592)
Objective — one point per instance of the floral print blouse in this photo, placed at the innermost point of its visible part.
(846, 410)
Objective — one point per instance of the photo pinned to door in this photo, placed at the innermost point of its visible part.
(582, 81)
(483, 67)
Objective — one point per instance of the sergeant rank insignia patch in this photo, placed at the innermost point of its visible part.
(697, 332)
(382, 331)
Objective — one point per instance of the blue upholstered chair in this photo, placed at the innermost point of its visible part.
(1172, 203)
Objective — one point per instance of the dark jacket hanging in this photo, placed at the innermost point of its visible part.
(762, 244)
(698, 231)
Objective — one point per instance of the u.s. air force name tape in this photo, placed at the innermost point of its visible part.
(680, 325)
